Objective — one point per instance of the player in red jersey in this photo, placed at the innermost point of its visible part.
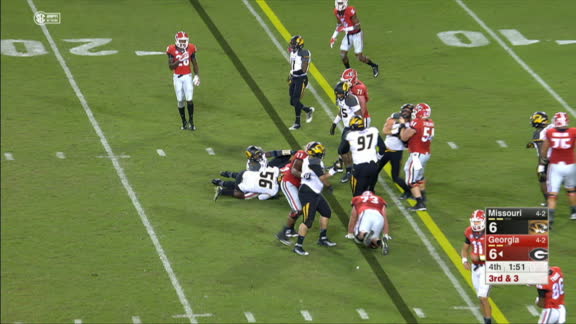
(551, 298)
(475, 240)
(368, 222)
(359, 89)
(180, 55)
(419, 134)
(561, 162)
(290, 184)
(347, 21)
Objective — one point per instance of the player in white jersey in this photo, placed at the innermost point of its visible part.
(366, 147)
(298, 79)
(348, 107)
(248, 184)
(313, 182)
(395, 146)
(541, 123)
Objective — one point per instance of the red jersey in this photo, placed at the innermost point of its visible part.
(359, 89)
(420, 141)
(286, 171)
(562, 144)
(554, 289)
(366, 201)
(177, 53)
(478, 242)
(345, 18)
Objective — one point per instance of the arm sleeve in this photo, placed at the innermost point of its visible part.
(381, 145)
(542, 293)
(316, 167)
(467, 241)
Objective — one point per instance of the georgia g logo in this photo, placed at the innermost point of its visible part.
(539, 254)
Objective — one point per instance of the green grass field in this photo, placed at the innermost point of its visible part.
(98, 227)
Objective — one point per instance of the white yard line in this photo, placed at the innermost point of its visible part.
(533, 310)
(210, 151)
(453, 145)
(136, 320)
(362, 313)
(60, 155)
(516, 57)
(306, 314)
(423, 237)
(161, 152)
(121, 174)
(146, 53)
(565, 42)
(502, 143)
(419, 312)
(77, 321)
(9, 156)
(250, 317)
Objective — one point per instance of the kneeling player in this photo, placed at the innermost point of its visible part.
(368, 221)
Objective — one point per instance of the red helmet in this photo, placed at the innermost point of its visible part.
(421, 110)
(349, 75)
(340, 4)
(478, 220)
(181, 40)
(561, 119)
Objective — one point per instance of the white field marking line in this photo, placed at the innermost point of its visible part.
(146, 53)
(532, 309)
(306, 314)
(121, 156)
(161, 152)
(136, 320)
(502, 143)
(193, 316)
(210, 151)
(419, 312)
(60, 155)
(466, 307)
(121, 174)
(565, 42)
(516, 57)
(431, 249)
(453, 145)
(250, 317)
(9, 156)
(77, 321)
(362, 313)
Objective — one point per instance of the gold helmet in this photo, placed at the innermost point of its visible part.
(315, 149)
(357, 123)
(539, 119)
(254, 153)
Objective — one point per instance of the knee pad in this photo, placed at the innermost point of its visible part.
(181, 104)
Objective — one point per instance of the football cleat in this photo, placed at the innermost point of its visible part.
(218, 192)
(346, 177)
(367, 241)
(326, 242)
(385, 244)
(310, 115)
(295, 127)
(281, 236)
(375, 70)
(406, 195)
(298, 249)
(184, 126)
(217, 182)
(291, 232)
(573, 216)
(181, 40)
(191, 127)
(226, 174)
(418, 207)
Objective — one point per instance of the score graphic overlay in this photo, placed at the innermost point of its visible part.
(516, 246)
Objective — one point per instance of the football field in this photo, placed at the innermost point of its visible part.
(107, 210)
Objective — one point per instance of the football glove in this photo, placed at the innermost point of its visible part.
(530, 145)
(388, 237)
(349, 236)
(196, 80)
(541, 173)
(332, 129)
(337, 166)
(332, 41)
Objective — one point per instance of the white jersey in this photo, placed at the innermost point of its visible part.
(309, 177)
(349, 106)
(264, 181)
(542, 137)
(393, 141)
(296, 60)
(363, 145)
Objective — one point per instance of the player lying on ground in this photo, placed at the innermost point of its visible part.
(368, 222)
